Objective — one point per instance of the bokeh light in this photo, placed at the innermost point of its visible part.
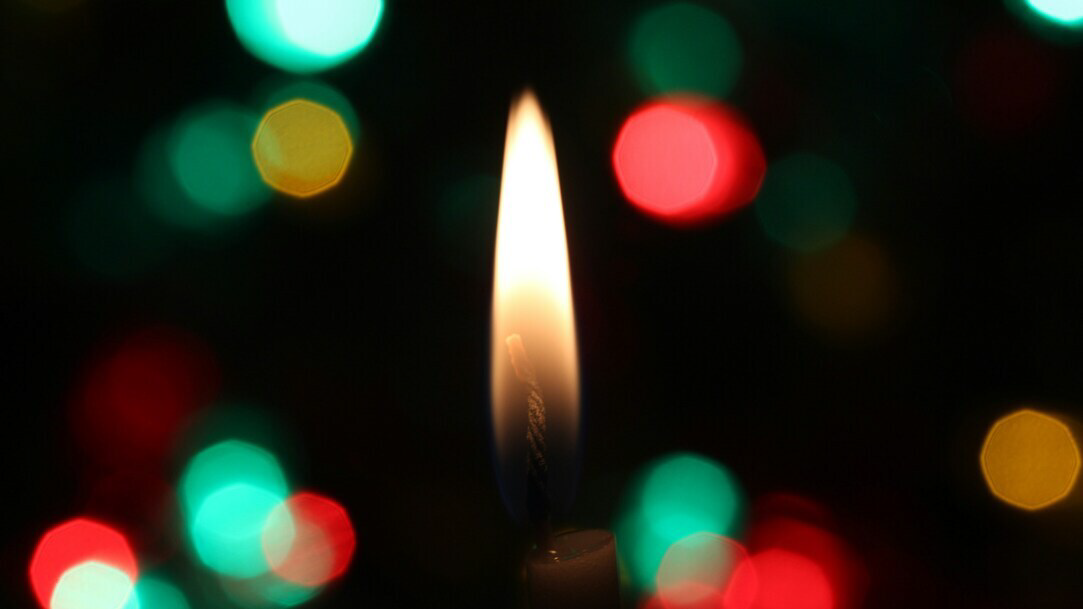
(135, 397)
(209, 154)
(94, 585)
(164, 197)
(228, 492)
(155, 593)
(228, 527)
(1068, 13)
(791, 581)
(73, 543)
(675, 497)
(1030, 459)
(280, 89)
(684, 47)
(706, 571)
(847, 292)
(800, 565)
(304, 35)
(806, 203)
(309, 540)
(302, 148)
(686, 160)
(226, 464)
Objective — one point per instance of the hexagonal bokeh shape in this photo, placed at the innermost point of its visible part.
(1030, 459)
(302, 148)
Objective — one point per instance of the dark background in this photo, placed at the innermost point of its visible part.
(359, 322)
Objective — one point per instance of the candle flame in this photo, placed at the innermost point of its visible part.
(532, 298)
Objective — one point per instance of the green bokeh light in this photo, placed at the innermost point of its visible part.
(93, 585)
(226, 464)
(677, 496)
(228, 493)
(1059, 21)
(685, 47)
(228, 527)
(154, 593)
(305, 35)
(210, 154)
(807, 202)
(1062, 12)
(163, 195)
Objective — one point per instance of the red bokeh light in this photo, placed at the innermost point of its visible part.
(72, 543)
(685, 160)
(790, 555)
(135, 398)
(322, 545)
(791, 581)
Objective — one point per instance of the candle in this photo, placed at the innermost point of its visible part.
(535, 372)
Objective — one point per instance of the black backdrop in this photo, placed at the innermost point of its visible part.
(360, 323)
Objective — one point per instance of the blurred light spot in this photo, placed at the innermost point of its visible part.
(685, 47)
(94, 585)
(228, 492)
(302, 148)
(807, 202)
(309, 540)
(846, 292)
(304, 35)
(226, 464)
(164, 197)
(109, 233)
(154, 593)
(228, 527)
(803, 566)
(1007, 82)
(281, 89)
(788, 580)
(210, 158)
(1030, 459)
(706, 571)
(676, 496)
(684, 160)
(72, 543)
(1063, 12)
(137, 395)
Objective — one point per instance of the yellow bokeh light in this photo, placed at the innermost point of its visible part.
(1030, 459)
(302, 148)
(847, 292)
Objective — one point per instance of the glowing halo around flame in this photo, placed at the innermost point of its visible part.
(532, 297)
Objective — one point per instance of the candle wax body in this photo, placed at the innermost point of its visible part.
(580, 574)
